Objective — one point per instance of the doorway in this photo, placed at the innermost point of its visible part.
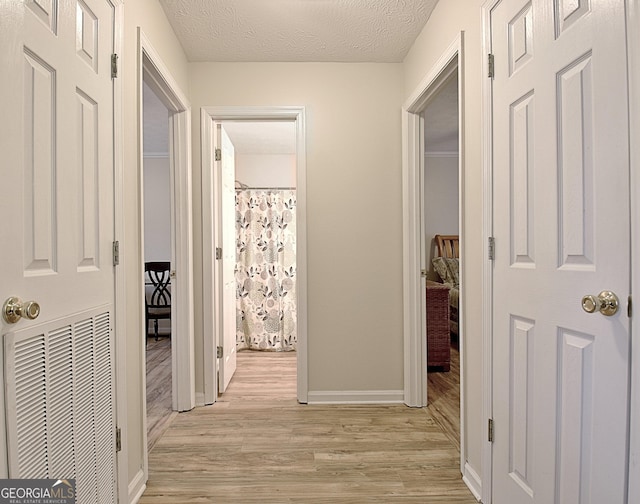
(177, 167)
(158, 234)
(441, 217)
(258, 274)
(213, 187)
(415, 242)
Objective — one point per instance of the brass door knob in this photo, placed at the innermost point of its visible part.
(606, 303)
(14, 309)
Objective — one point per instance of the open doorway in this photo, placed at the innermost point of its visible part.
(157, 218)
(167, 193)
(258, 271)
(441, 227)
(423, 161)
(278, 327)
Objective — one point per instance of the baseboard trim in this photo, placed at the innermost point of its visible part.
(137, 486)
(199, 399)
(356, 397)
(472, 480)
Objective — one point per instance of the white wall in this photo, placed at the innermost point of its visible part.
(354, 206)
(148, 15)
(440, 202)
(266, 170)
(157, 210)
(448, 19)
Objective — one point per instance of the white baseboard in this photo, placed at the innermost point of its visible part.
(472, 480)
(137, 486)
(356, 397)
(199, 399)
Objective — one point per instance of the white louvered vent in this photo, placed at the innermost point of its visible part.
(60, 412)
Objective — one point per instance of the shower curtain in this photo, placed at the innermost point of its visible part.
(266, 270)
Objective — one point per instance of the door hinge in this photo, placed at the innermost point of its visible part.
(114, 65)
(629, 307)
(490, 63)
(219, 352)
(118, 439)
(218, 253)
(218, 154)
(492, 248)
(490, 430)
(116, 253)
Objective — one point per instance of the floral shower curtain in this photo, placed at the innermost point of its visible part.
(266, 270)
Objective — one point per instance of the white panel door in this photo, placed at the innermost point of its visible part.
(228, 214)
(561, 226)
(56, 138)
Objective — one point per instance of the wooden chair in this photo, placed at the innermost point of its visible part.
(158, 295)
(448, 245)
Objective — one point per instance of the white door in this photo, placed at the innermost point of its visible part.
(57, 201)
(561, 226)
(228, 227)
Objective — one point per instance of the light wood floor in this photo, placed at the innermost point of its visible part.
(159, 414)
(443, 393)
(257, 444)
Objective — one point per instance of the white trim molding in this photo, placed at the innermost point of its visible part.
(356, 397)
(155, 73)
(209, 116)
(487, 271)
(472, 480)
(122, 457)
(136, 487)
(414, 257)
(633, 58)
(441, 154)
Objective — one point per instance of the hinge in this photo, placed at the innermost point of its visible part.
(491, 67)
(629, 307)
(218, 154)
(492, 248)
(219, 352)
(118, 439)
(116, 253)
(490, 430)
(114, 65)
(218, 253)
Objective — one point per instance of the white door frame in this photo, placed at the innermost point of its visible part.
(633, 57)
(414, 317)
(120, 316)
(211, 330)
(153, 71)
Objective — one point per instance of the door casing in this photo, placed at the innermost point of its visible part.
(210, 297)
(154, 72)
(414, 316)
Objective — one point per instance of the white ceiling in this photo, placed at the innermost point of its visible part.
(266, 137)
(297, 30)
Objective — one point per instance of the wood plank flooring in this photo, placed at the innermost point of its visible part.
(159, 414)
(257, 444)
(443, 394)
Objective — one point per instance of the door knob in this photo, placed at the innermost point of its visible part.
(606, 303)
(14, 309)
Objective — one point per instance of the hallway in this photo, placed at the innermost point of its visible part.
(257, 444)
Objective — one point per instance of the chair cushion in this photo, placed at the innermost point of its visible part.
(447, 269)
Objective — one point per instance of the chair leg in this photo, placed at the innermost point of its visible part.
(155, 327)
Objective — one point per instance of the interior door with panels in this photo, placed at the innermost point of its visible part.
(57, 200)
(561, 228)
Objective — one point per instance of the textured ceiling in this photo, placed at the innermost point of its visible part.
(297, 30)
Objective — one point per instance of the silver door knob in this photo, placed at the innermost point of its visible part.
(14, 309)
(606, 303)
